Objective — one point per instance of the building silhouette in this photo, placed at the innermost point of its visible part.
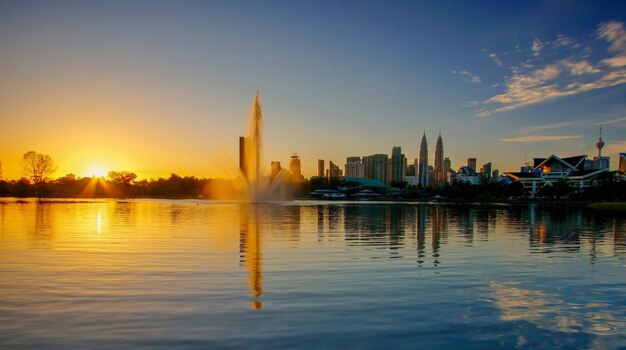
(320, 168)
(622, 163)
(600, 162)
(242, 155)
(375, 167)
(447, 166)
(333, 171)
(275, 169)
(354, 167)
(439, 168)
(398, 164)
(423, 162)
(295, 169)
(486, 170)
(471, 162)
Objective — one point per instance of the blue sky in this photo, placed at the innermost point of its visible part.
(163, 87)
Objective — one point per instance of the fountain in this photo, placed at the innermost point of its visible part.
(254, 186)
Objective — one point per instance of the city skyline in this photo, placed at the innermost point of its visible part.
(161, 87)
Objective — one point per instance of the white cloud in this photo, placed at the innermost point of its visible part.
(495, 59)
(532, 82)
(540, 138)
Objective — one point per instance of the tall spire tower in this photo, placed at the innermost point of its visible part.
(439, 176)
(600, 144)
(423, 162)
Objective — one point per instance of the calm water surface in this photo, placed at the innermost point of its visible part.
(157, 273)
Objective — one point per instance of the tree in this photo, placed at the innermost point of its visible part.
(122, 177)
(37, 166)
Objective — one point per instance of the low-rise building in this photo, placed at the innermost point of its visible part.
(465, 174)
(552, 169)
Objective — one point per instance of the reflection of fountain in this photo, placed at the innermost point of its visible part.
(250, 249)
(253, 185)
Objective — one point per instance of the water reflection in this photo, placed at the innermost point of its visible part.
(250, 250)
(191, 267)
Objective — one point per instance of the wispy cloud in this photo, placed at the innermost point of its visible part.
(494, 58)
(470, 103)
(615, 34)
(540, 138)
(563, 41)
(612, 121)
(614, 147)
(534, 129)
(468, 76)
(568, 76)
(536, 47)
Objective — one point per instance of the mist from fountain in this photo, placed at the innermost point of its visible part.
(253, 182)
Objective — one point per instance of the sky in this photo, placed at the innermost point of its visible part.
(160, 87)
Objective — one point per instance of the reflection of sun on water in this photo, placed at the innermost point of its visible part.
(99, 223)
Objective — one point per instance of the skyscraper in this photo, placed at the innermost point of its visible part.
(398, 164)
(354, 167)
(242, 155)
(447, 165)
(295, 169)
(376, 167)
(320, 168)
(486, 170)
(471, 162)
(439, 173)
(333, 171)
(423, 162)
(622, 163)
(276, 169)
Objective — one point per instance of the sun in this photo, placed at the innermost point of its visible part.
(96, 171)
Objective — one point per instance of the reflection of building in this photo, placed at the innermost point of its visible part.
(398, 164)
(439, 167)
(549, 170)
(423, 162)
(354, 167)
(294, 168)
(320, 168)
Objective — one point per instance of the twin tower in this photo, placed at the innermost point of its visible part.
(436, 176)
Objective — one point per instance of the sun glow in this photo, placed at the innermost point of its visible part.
(96, 171)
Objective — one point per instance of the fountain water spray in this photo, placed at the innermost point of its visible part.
(255, 186)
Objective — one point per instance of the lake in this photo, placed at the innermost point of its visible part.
(318, 275)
